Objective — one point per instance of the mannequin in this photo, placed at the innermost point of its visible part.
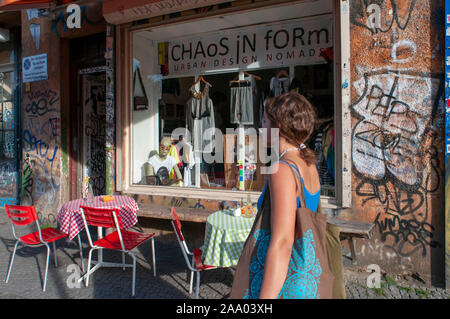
(159, 166)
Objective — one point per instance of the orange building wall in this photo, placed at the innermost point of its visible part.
(397, 133)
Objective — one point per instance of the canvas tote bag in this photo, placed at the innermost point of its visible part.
(309, 275)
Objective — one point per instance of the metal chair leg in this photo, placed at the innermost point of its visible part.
(46, 267)
(12, 261)
(54, 253)
(81, 252)
(191, 282)
(192, 275)
(154, 257)
(89, 266)
(197, 288)
(133, 283)
(123, 261)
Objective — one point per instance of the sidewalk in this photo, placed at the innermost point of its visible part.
(172, 280)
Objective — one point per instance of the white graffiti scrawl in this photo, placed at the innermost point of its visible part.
(395, 108)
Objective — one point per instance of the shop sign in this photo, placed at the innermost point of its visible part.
(123, 11)
(295, 43)
(34, 68)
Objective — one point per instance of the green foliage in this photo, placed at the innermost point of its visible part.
(390, 281)
(423, 293)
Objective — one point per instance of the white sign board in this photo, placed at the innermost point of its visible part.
(34, 68)
(298, 42)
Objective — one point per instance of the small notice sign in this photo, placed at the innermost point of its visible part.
(34, 68)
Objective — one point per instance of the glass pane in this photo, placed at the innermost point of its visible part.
(7, 140)
(6, 52)
(185, 127)
(316, 83)
(6, 89)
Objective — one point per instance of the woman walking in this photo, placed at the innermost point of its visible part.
(285, 254)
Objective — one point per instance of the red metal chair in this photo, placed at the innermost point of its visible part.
(23, 216)
(121, 239)
(197, 264)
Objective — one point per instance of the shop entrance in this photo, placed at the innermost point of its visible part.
(87, 114)
(10, 150)
(94, 131)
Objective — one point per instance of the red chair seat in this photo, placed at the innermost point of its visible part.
(48, 234)
(130, 240)
(198, 260)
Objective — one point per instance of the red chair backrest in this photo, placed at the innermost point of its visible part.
(101, 217)
(21, 215)
(177, 224)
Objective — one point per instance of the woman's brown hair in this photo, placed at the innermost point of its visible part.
(295, 118)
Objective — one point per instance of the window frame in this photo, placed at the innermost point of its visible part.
(342, 118)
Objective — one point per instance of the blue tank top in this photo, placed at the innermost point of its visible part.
(311, 199)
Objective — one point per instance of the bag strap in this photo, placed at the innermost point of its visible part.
(138, 71)
(299, 184)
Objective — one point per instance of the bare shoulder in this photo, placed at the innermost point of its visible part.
(309, 173)
(282, 175)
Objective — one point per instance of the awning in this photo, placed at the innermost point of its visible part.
(123, 11)
(10, 5)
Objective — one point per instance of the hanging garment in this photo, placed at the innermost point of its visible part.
(187, 157)
(200, 118)
(261, 108)
(328, 149)
(279, 86)
(242, 101)
(309, 275)
(320, 147)
(295, 86)
(173, 151)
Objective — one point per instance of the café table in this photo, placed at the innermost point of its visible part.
(225, 235)
(71, 222)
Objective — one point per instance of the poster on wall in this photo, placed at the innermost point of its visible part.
(298, 42)
(34, 68)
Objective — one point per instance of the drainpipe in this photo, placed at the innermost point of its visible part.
(447, 144)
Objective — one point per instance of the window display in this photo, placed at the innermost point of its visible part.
(208, 116)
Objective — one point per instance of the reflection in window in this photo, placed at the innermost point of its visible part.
(188, 133)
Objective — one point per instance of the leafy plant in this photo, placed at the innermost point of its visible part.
(423, 293)
(390, 281)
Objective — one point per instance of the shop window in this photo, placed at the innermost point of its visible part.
(183, 110)
(186, 123)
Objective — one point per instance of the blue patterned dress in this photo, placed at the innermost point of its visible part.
(304, 268)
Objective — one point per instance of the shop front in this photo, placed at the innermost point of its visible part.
(193, 92)
(192, 82)
(165, 105)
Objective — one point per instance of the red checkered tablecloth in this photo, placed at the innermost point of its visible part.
(71, 222)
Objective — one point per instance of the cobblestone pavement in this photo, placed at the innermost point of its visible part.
(172, 280)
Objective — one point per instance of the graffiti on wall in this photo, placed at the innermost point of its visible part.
(63, 17)
(40, 138)
(94, 157)
(398, 111)
(382, 16)
(393, 156)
